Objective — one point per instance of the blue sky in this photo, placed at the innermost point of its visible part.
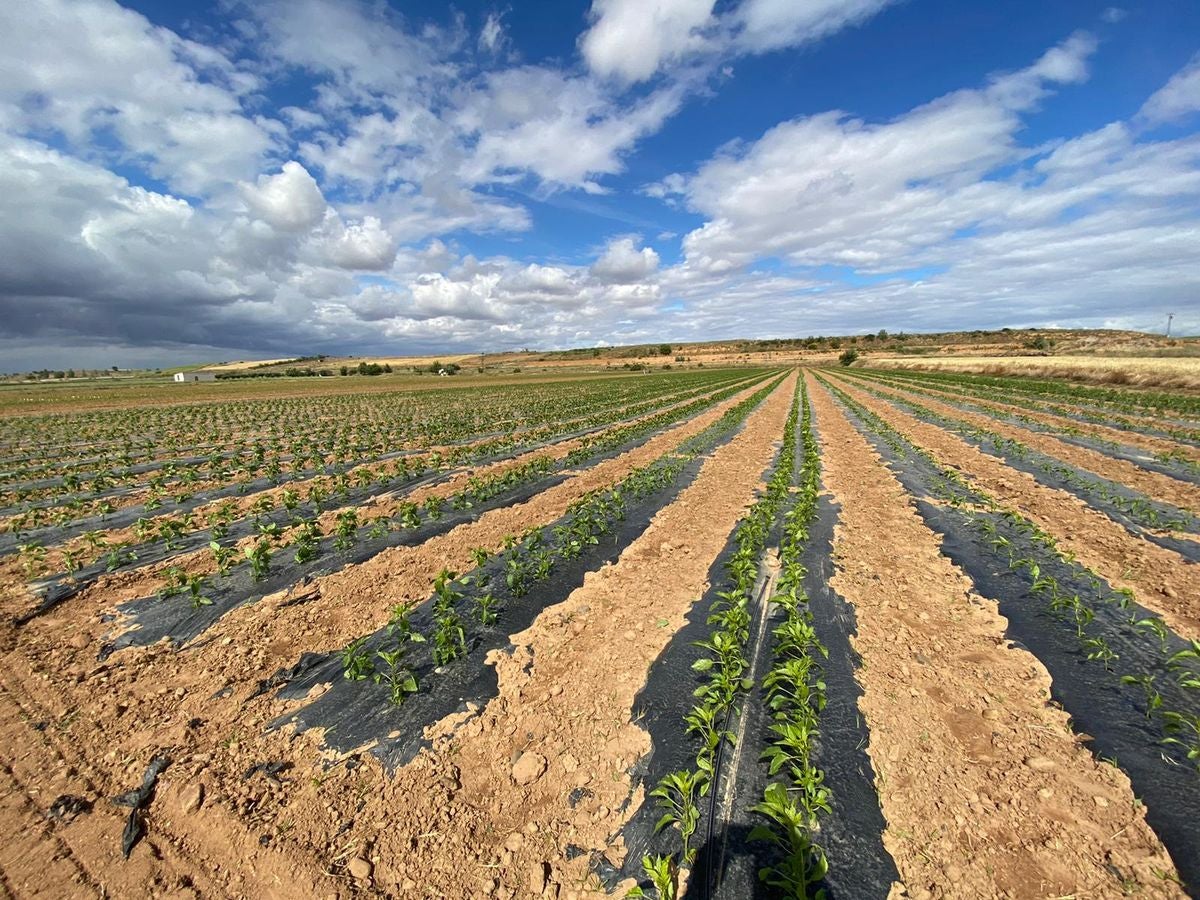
(187, 182)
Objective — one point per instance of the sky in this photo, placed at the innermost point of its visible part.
(191, 182)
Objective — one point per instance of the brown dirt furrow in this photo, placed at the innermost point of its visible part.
(565, 697)
(985, 789)
(383, 504)
(46, 765)
(1145, 442)
(1160, 578)
(298, 837)
(54, 749)
(398, 575)
(32, 855)
(1152, 484)
(139, 701)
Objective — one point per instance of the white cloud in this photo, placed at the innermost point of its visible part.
(941, 209)
(624, 263)
(491, 36)
(302, 119)
(438, 296)
(359, 245)
(632, 39)
(289, 201)
(417, 133)
(363, 49)
(774, 24)
(1177, 99)
(92, 68)
(551, 281)
(833, 190)
(563, 129)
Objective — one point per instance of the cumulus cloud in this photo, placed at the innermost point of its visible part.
(552, 281)
(289, 201)
(624, 263)
(363, 50)
(565, 129)
(173, 103)
(632, 39)
(362, 245)
(942, 208)
(834, 190)
(335, 226)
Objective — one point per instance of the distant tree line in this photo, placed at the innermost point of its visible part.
(290, 372)
(366, 368)
(437, 368)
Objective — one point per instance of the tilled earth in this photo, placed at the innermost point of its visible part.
(986, 789)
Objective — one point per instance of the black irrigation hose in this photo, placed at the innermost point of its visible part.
(127, 516)
(55, 589)
(1104, 398)
(198, 458)
(656, 706)
(1183, 432)
(714, 863)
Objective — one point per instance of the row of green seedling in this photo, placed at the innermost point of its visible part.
(724, 670)
(976, 397)
(1084, 402)
(794, 692)
(306, 533)
(1181, 726)
(364, 471)
(1138, 508)
(526, 559)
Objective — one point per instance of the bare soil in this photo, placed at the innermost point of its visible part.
(986, 790)
(444, 825)
(1152, 484)
(1161, 579)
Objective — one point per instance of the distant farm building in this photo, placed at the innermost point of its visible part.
(183, 377)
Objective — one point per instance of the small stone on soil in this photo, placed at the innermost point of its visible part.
(192, 798)
(539, 875)
(529, 768)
